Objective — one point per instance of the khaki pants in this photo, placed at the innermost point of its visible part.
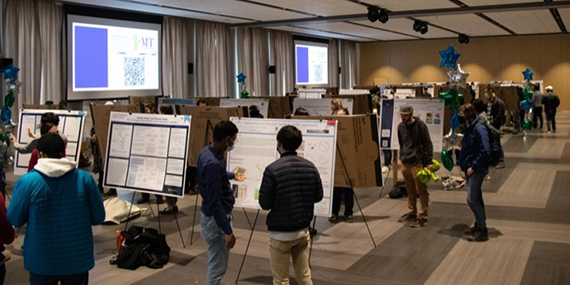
(280, 252)
(415, 188)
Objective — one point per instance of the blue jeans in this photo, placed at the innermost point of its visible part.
(475, 197)
(387, 157)
(218, 254)
(77, 279)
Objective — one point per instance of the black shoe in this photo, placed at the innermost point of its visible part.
(479, 236)
(142, 200)
(470, 231)
(170, 211)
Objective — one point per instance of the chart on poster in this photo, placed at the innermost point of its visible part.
(147, 153)
(71, 124)
(256, 148)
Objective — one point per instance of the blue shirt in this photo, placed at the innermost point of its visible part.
(213, 180)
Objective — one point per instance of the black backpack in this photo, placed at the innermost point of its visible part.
(495, 143)
(399, 190)
(143, 247)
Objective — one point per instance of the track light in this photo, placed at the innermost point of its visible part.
(463, 39)
(420, 26)
(377, 14)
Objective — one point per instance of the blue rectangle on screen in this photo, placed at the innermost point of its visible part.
(91, 55)
(302, 65)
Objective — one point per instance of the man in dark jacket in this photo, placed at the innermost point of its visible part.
(291, 186)
(416, 152)
(496, 116)
(474, 161)
(550, 102)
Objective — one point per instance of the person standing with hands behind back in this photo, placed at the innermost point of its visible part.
(416, 152)
(474, 161)
(217, 200)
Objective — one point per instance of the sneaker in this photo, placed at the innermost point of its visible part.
(349, 219)
(479, 236)
(407, 217)
(170, 211)
(333, 219)
(501, 165)
(418, 223)
(385, 169)
(470, 231)
(487, 177)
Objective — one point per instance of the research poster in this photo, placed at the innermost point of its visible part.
(321, 107)
(177, 102)
(147, 153)
(261, 104)
(430, 111)
(71, 124)
(256, 148)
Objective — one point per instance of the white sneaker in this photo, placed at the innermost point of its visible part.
(385, 169)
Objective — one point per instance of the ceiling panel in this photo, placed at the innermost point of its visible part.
(351, 29)
(527, 22)
(306, 31)
(405, 26)
(318, 7)
(565, 15)
(470, 24)
(495, 2)
(405, 5)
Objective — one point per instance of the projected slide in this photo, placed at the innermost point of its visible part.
(114, 58)
(311, 63)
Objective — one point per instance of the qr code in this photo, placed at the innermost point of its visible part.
(134, 71)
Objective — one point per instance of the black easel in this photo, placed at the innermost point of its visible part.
(252, 227)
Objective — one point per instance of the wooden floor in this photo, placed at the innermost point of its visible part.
(528, 210)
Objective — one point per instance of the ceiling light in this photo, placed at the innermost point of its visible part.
(463, 39)
(424, 29)
(373, 13)
(420, 26)
(383, 18)
(417, 25)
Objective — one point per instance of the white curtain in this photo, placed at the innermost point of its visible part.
(213, 60)
(348, 64)
(253, 59)
(333, 63)
(176, 35)
(282, 43)
(53, 67)
(22, 43)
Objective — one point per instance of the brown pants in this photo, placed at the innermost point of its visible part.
(281, 252)
(415, 188)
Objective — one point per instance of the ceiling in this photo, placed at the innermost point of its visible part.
(346, 19)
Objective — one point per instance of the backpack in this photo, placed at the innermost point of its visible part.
(399, 190)
(143, 247)
(495, 143)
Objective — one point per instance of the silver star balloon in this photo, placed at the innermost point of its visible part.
(458, 77)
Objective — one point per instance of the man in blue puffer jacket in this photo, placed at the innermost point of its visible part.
(474, 161)
(60, 204)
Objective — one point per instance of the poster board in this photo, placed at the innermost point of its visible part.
(147, 153)
(137, 100)
(357, 162)
(176, 103)
(71, 124)
(279, 106)
(262, 104)
(256, 148)
(101, 115)
(311, 93)
(41, 107)
(510, 97)
(362, 103)
(204, 119)
(211, 101)
(430, 111)
(321, 107)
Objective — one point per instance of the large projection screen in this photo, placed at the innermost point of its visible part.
(311, 64)
(109, 58)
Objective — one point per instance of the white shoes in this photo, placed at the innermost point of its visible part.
(385, 169)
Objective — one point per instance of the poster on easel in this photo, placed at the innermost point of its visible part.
(71, 124)
(261, 104)
(256, 148)
(430, 111)
(321, 107)
(147, 153)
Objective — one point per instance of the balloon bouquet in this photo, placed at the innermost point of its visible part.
(526, 103)
(241, 81)
(11, 79)
(457, 78)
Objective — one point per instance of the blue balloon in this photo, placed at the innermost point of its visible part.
(6, 114)
(527, 74)
(241, 78)
(526, 104)
(11, 72)
(449, 57)
(455, 121)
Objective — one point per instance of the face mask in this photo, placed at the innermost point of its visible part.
(462, 120)
(487, 95)
(231, 147)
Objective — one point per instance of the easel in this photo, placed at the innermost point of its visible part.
(394, 174)
(252, 227)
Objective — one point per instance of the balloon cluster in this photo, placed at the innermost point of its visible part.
(526, 103)
(11, 79)
(241, 81)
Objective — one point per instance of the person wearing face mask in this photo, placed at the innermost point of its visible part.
(289, 190)
(496, 117)
(217, 199)
(416, 152)
(474, 162)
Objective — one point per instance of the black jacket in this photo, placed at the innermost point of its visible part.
(290, 188)
(550, 102)
(415, 143)
(497, 112)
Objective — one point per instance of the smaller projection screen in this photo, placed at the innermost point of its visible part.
(311, 63)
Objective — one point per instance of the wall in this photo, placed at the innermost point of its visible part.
(488, 59)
